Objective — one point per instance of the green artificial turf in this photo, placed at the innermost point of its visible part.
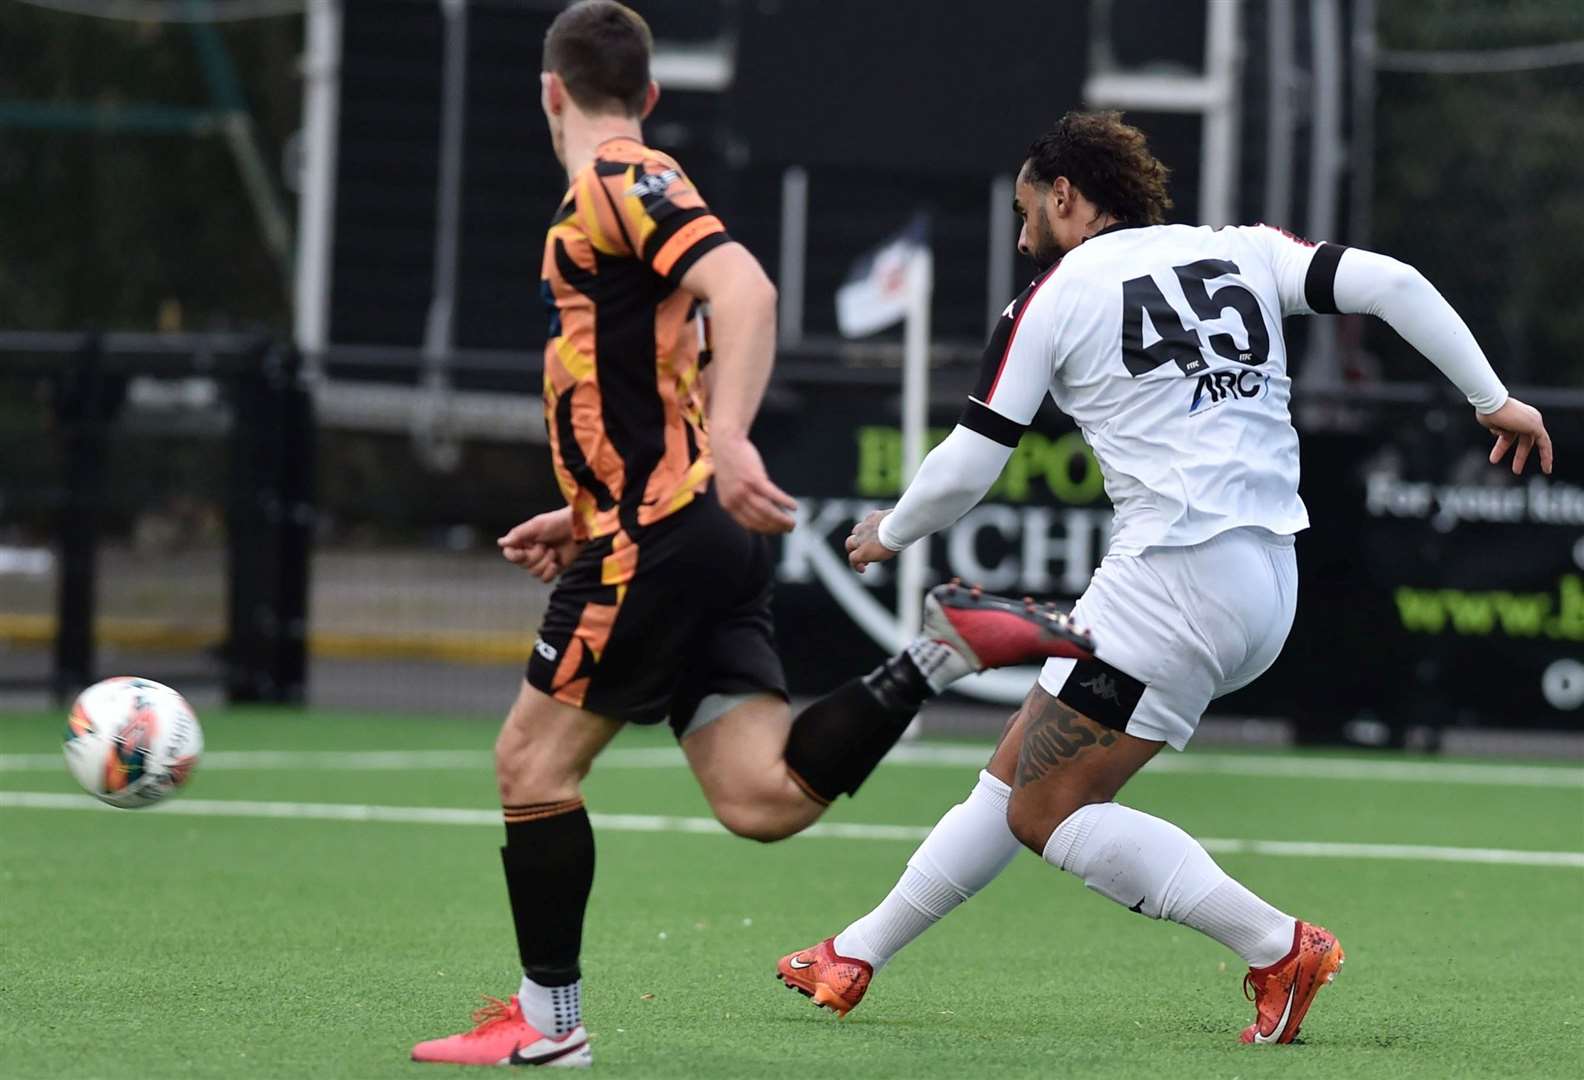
(154, 944)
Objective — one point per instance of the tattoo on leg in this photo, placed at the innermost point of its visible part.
(1055, 733)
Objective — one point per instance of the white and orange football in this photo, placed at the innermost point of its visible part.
(130, 741)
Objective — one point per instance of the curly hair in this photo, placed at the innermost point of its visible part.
(1108, 161)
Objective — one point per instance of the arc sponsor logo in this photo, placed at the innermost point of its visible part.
(1218, 387)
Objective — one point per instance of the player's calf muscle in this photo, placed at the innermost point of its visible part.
(780, 812)
(741, 768)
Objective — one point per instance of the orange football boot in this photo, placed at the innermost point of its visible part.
(834, 982)
(503, 1037)
(1283, 992)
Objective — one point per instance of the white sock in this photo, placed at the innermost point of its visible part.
(940, 664)
(1153, 867)
(1244, 923)
(554, 1010)
(960, 856)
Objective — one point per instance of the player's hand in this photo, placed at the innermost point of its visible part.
(745, 489)
(864, 546)
(1520, 425)
(543, 544)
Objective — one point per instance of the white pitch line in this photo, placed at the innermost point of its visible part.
(1341, 768)
(305, 760)
(652, 823)
(938, 755)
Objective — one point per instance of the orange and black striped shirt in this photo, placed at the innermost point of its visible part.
(624, 405)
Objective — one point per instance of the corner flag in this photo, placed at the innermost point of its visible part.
(882, 284)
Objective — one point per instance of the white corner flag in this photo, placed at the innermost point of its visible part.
(882, 285)
(894, 284)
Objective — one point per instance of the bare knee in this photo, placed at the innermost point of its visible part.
(545, 749)
(1029, 822)
(1032, 819)
(739, 763)
(526, 772)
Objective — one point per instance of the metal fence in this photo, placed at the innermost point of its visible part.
(155, 512)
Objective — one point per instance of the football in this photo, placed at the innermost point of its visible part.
(130, 741)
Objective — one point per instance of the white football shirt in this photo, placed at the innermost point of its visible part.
(1164, 343)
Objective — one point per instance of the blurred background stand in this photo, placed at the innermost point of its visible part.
(371, 183)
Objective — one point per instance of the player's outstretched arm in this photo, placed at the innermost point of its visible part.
(949, 483)
(1014, 377)
(742, 328)
(1373, 284)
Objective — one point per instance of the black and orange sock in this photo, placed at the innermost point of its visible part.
(549, 863)
(837, 741)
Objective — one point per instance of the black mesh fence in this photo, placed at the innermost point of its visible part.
(154, 513)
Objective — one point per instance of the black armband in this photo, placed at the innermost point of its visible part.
(1320, 282)
(979, 417)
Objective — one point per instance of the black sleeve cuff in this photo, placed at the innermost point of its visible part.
(981, 418)
(667, 225)
(693, 254)
(1320, 282)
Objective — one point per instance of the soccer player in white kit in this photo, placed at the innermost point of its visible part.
(1164, 343)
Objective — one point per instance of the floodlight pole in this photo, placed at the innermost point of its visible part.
(1361, 157)
(316, 205)
(1279, 120)
(998, 276)
(1323, 365)
(794, 242)
(1211, 94)
(913, 563)
(431, 434)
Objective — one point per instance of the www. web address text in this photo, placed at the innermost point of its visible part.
(1558, 615)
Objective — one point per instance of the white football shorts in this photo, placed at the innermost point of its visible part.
(1175, 628)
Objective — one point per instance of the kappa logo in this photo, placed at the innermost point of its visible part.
(1103, 687)
(653, 185)
(546, 650)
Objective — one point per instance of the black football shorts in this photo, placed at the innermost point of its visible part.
(645, 628)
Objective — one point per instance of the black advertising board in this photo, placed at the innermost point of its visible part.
(1435, 589)
(1042, 529)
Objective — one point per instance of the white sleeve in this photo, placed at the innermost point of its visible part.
(1291, 262)
(950, 481)
(1367, 283)
(1014, 377)
(1018, 365)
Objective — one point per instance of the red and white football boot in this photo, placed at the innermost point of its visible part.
(503, 1037)
(988, 631)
